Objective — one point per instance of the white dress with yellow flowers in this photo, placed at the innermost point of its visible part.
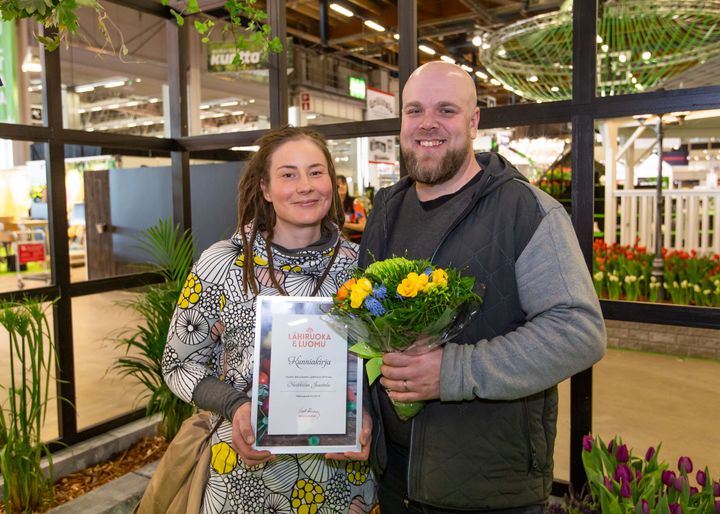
(214, 320)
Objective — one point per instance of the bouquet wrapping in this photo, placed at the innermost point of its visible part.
(399, 304)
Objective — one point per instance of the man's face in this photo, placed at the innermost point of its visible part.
(439, 121)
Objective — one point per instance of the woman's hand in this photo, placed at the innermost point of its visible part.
(243, 438)
(365, 440)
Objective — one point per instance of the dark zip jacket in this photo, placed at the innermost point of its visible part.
(488, 442)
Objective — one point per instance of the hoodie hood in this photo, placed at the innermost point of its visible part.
(496, 171)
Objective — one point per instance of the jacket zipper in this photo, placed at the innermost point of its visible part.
(460, 218)
(409, 467)
(533, 464)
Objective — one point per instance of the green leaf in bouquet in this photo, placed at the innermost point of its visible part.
(372, 367)
(442, 322)
(407, 410)
(364, 350)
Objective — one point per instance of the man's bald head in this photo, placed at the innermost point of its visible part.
(444, 75)
(439, 121)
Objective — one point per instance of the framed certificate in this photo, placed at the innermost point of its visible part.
(307, 390)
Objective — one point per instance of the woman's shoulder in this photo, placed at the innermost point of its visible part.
(216, 260)
(349, 252)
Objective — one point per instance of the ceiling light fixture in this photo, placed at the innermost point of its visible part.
(466, 68)
(342, 10)
(374, 26)
(114, 83)
(447, 59)
(426, 49)
(477, 41)
(30, 64)
(481, 75)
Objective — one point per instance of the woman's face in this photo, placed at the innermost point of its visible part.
(342, 188)
(299, 186)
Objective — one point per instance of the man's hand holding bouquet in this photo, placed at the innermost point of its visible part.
(403, 305)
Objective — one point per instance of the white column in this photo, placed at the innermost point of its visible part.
(609, 131)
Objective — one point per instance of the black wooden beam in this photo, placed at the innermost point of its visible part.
(60, 257)
(662, 313)
(279, 102)
(24, 132)
(177, 48)
(583, 160)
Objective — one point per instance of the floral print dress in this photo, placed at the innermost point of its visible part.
(214, 323)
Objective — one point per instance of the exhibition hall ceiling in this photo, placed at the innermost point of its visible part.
(123, 91)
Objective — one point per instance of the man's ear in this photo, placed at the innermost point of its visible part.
(474, 121)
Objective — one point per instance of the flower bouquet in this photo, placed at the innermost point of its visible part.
(400, 304)
(621, 483)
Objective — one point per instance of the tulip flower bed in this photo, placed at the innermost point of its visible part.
(621, 483)
(624, 273)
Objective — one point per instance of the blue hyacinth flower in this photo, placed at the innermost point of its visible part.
(380, 292)
(374, 306)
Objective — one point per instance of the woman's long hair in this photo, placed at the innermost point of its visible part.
(255, 211)
(347, 202)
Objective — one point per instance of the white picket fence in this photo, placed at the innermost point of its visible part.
(691, 219)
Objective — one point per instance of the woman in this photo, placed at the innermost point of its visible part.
(287, 238)
(355, 217)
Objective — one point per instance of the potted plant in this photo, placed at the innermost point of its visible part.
(32, 356)
(171, 253)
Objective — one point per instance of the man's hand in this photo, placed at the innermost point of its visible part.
(243, 438)
(365, 440)
(412, 377)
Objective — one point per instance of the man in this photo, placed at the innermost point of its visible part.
(484, 441)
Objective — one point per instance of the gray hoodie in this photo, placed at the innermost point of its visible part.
(488, 442)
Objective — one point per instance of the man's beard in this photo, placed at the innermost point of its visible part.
(432, 175)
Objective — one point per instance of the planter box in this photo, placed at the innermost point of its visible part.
(674, 340)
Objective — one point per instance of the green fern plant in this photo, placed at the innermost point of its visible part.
(171, 253)
(32, 355)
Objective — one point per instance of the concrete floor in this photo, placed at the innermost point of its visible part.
(644, 398)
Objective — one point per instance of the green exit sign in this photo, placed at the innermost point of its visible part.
(357, 87)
